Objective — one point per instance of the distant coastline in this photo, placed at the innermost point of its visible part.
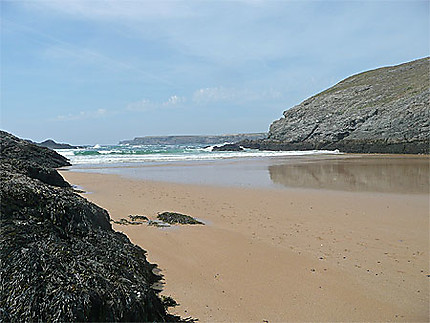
(193, 139)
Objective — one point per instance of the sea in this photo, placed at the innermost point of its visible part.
(190, 164)
(150, 154)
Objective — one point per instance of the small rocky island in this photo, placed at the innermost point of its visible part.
(385, 110)
(61, 261)
(49, 143)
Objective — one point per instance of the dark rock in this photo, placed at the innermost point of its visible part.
(168, 301)
(228, 147)
(31, 169)
(14, 148)
(61, 260)
(380, 111)
(177, 218)
(36, 162)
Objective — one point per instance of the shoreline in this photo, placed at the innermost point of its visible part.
(278, 254)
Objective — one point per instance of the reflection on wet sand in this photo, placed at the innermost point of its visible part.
(401, 174)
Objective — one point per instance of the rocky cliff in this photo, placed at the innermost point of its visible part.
(379, 111)
(61, 261)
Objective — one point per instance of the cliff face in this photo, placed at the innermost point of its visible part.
(384, 110)
(61, 260)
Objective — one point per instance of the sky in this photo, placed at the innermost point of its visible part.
(97, 72)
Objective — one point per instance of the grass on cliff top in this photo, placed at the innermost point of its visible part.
(408, 78)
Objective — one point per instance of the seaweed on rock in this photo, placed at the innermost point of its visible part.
(177, 218)
(60, 259)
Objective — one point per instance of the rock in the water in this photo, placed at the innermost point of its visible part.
(379, 111)
(61, 260)
(228, 147)
(177, 218)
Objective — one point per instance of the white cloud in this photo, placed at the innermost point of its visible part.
(222, 94)
(83, 115)
(213, 94)
(174, 100)
(146, 105)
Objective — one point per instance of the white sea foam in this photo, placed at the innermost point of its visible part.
(66, 152)
(210, 148)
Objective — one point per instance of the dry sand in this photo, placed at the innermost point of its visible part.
(279, 255)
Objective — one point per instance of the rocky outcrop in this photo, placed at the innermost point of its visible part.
(35, 162)
(193, 140)
(380, 111)
(61, 260)
(17, 149)
(228, 147)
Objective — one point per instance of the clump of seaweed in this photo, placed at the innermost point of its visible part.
(134, 220)
(121, 221)
(137, 218)
(177, 218)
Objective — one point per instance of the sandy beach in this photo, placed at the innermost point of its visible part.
(273, 254)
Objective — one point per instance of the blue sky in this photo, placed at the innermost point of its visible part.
(90, 71)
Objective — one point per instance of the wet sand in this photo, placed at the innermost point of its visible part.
(348, 172)
(279, 254)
